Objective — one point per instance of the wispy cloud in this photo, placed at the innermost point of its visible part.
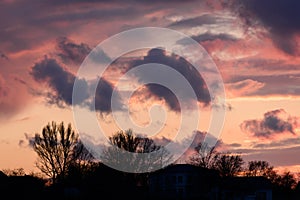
(195, 21)
(244, 87)
(288, 142)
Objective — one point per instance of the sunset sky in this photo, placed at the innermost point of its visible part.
(255, 45)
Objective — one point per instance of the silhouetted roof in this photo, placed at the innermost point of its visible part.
(3, 176)
(246, 183)
(181, 168)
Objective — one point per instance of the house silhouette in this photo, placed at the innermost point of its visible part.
(184, 181)
(248, 188)
(176, 181)
(187, 182)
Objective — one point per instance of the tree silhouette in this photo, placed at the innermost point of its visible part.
(204, 156)
(287, 181)
(58, 148)
(229, 165)
(134, 153)
(260, 168)
(83, 165)
(15, 172)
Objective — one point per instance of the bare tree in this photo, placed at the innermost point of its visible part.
(229, 165)
(140, 159)
(57, 148)
(204, 156)
(259, 168)
(287, 180)
(263, 168)
(226, 164)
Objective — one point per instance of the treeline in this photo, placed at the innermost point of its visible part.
(231, 164)
(285, 185)
(69, 171)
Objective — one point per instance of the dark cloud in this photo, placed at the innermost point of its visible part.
(163, 92)
(73, 53)
(276, 156)
(27, 142)
(208, 36)
(159, 2)
(280, 156)
(270, 65)
(61, 82)
(59, 79)
(182, 66)
(282, 143)
(281, 18)
(273, 123)
(20, 80)
(21, 29)
(234, 145)
(3, 56)
(195, 21)
(49, 12)
(69, 51)
(103, 97)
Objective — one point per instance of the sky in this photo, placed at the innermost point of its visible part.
(253, 43)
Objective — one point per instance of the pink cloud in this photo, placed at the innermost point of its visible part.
(13, 97)
(241, 88)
